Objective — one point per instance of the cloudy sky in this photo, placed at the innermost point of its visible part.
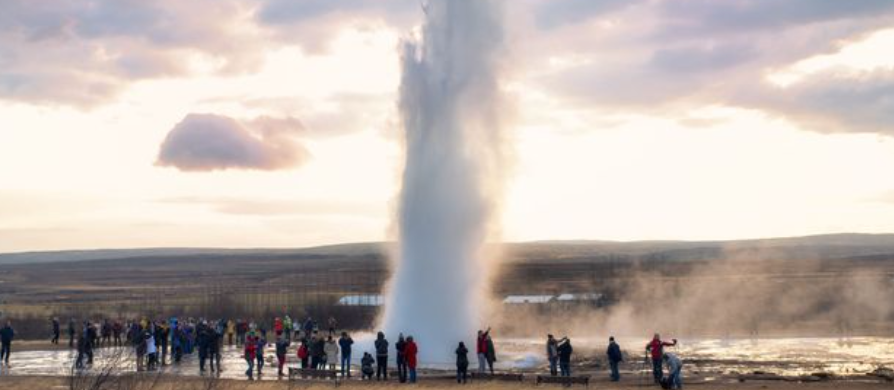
(272, 123)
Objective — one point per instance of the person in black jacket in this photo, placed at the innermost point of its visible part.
(344, 344)
(565, 352)
(381, 357)
(462, 363)
(203, 341)
(6, 336)
(401, 358)
(614, 358)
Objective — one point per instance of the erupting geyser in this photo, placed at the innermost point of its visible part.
(450, 108)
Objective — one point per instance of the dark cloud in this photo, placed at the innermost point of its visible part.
(207, 142)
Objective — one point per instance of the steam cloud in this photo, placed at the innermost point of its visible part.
(450, 107)
(207, 142)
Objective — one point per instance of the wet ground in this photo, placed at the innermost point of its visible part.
(706, 357)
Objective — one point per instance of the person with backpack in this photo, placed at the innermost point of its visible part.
(381, 357)
(565, 351)
(366, 366)
(655, 349)
(345, 343)
(410, 352)
(462, 363)
(401, 359)
(614, 358)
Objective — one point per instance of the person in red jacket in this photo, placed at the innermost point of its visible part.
(656, 349)
(410, 351)
(277, 326)
(250, 354)
(481, 350)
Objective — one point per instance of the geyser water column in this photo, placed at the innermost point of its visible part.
(451, 109)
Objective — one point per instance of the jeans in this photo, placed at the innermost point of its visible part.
(260, 362)
(676, 379)
(251, 367)
(616, 376)
(657, 372)
(462, 373)
(554, 366)
(382, 367)
(346, 364)
(565, 367)
(412, 374)
(482, 363)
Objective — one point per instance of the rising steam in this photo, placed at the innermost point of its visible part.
(450, 108)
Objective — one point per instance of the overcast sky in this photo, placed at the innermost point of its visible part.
(272, 123)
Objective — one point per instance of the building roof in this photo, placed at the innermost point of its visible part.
(520, 299)
(362, 300)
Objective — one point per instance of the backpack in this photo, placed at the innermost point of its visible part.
(302, 352)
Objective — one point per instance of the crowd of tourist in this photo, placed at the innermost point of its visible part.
(157, 343)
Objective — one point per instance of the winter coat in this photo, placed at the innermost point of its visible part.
(410, 351)
(490, 353)
(399, 347)
(331, 349)
(565, 351)
(251, 349)
(282, 345)
(552, 351)
(481, 346)
(7, 334)
(381, 346)
(614, 353)
(656, 347)
(366, 364)
(462, 356)
(345, 344)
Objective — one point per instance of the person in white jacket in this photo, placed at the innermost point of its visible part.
(331, 351)
(151, 353)
(675, 369)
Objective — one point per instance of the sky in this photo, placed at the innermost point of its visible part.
(273, 123)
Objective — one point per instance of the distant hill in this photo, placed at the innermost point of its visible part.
(828, 246)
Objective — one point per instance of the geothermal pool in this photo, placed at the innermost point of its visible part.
(705, 357)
